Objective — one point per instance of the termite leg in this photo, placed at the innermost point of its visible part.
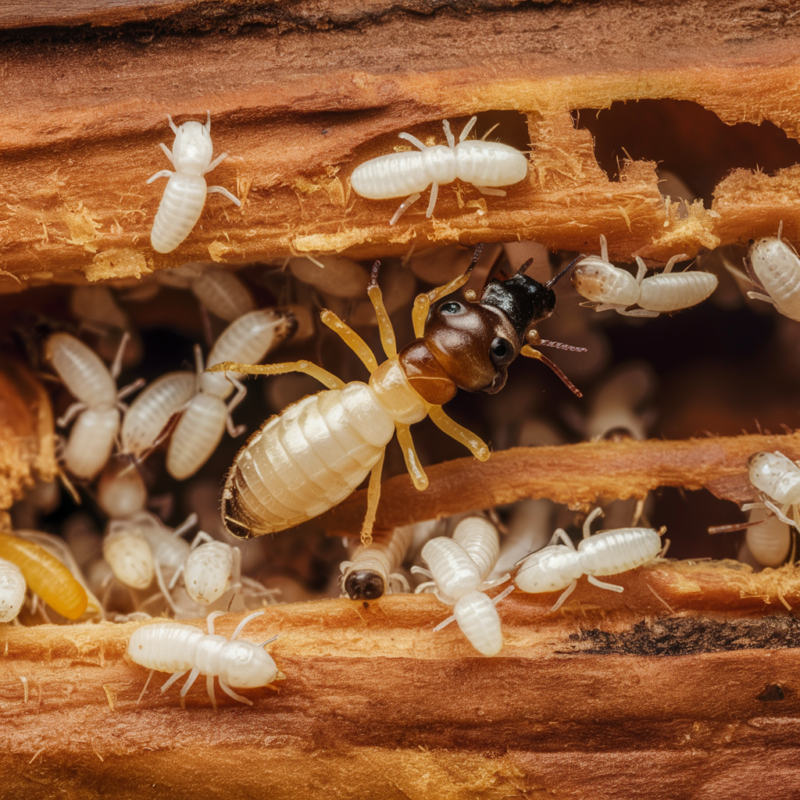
(415, 470)
(241, 393)
(473, 443)
(189, 681)
(210, 690)
(70, 414)
(176, 676)
(601, 585)
(164, 173)
(409, 201)
(432, 201)
(146, 684)
(225, 193)
(327, 379)
(388, 340)
(587, 524)
(373, 496)
(350, 338)
(567, 592)
(216, 162)
(562, 535)
(228, 691)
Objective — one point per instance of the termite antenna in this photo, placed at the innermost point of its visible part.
(557, 278)
(524, 268)
(531, 353)
(534, 338)
(267, 641)
(740, 526)
(373, 278)
(475, 256)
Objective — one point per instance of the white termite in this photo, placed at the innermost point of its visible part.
(776, 266)
(185, 195)
(12, 590)
(770, 540)
(202, 424)
(372, 569)
(333, 276)
(98, 405)
(778, 481)
(219, 290)
(558, 566)
(613, 407)
(210, 570)
(596, 279)
(479, 621)
(453, 573)
(97, 310)
(483, 164)
(479, 538)
(176, 648)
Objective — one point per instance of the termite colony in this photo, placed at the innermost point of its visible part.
(159, 513)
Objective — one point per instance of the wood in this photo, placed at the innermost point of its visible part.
(611, 697)
(301, 94)
(577, 475)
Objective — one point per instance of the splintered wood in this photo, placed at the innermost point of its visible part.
(298, 111)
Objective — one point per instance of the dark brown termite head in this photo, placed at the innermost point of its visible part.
(364, 584)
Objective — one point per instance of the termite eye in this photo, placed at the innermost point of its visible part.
(451, 308)
(502, 352)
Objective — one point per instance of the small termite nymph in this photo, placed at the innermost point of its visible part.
(776, 266)
(98, 405)
(408, 174)
(172, 647)
(12, 590)
(316, 452)
(778, 480)
(558, 566)
(185, 195)
(599, 281)
(372, 570)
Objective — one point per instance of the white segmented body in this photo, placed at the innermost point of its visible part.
(549, 570)
(480, 541)
(479, 621)
(149, 414)
(676, 291)
(207, 571)
(81, 370)
(200, 429)
(620, 550)
(171, 647)
(338, 277)
(12, 590)
(314, 454)
(454, 572)
(121, 491)
(91, 441)
(130, 557)
(185, 195)
(777, 266)
(601, 282)
(223, 294)
(372, 569)
(776, 476)
(97, 304)
(770, 542)
(483, 164)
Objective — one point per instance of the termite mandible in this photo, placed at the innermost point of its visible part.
(314, 454)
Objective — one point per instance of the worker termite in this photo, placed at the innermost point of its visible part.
(12, 590)
(599, 281)
(176, 648)
(776, 266)
(92, 437)
(483, 164)
(372, 570)
(203, 422)
(778, 480)
(768, 539)
(186, 191)
(558, 566)
(316, 452)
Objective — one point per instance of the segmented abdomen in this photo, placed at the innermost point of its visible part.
(178, 212)
(674, 291)
(393, 175)
(611, 552)
(165, 646)
(305, 460)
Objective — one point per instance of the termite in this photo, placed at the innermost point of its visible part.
(599, 281)
(316, 452)
(92, 437)
(335, 276)
(186, 191)
(558, 566)
(776, 266)
(46, 576)
(210, 570)
(220, 291)
(372, 570)
(778, 481)
(176, 648)
(483, 164)
(12, 590)
(206, 416)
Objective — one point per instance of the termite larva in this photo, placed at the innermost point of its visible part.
(372, 570)
(186, 191)
(599, 281)
(218, 290)
(778, 480)
(313, 455)
(12, 590)
(46, 576)
(558, 566)
(769, 540)
(483, 164)
(92, 437)
(776, 266)
(210, 570)
(172, 647)
(202, 424)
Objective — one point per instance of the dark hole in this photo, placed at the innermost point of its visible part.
(512, 128)
(686, 139)
(366, 604)
(771, 693)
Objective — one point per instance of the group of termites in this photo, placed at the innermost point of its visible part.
(320, 448)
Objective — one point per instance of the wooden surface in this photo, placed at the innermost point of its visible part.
(613, 696)
(300, 93)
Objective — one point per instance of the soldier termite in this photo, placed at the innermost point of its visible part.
(316, 452)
